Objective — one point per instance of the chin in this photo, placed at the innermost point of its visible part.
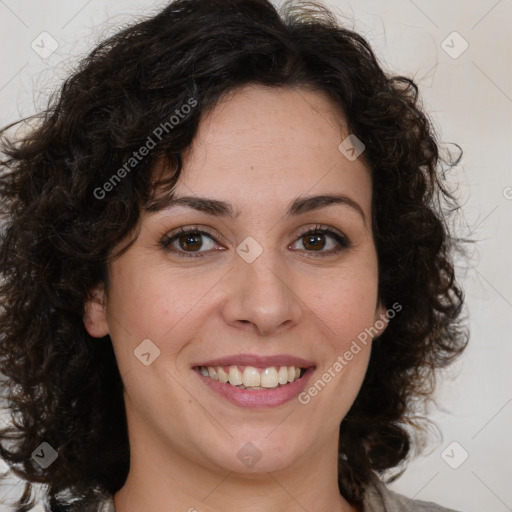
(260, 453)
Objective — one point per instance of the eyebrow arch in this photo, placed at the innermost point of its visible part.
(299, 206)
(309, 203)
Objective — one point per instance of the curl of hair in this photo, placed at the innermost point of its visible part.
(63, 386)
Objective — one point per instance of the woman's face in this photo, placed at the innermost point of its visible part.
(253, 296)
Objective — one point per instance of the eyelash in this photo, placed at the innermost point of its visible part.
(341, 239)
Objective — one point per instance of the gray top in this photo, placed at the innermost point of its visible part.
(378, 498)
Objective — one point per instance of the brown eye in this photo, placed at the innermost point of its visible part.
(313, 242)
(318, 239)
(187, 242)
(190, 242)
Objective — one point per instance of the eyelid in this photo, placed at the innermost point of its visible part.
(193, 229)
(322, 227)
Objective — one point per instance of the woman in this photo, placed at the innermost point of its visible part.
(227, 277)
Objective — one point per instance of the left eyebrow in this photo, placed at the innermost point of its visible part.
(306, 204)
(299, 206)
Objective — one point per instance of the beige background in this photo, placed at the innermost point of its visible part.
(470, 100)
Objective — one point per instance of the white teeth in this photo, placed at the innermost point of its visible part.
(223, 376)
(235, 376)
(251, 377)
(269, 378)
(282, 376)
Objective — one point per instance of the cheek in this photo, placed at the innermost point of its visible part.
(346, 311)
(148, 302)
(141, 307)
(346, 305)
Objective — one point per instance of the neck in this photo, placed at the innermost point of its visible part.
(164, 481)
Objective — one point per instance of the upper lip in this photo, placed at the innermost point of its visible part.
(258, 361)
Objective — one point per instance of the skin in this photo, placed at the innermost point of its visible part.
(259, 149)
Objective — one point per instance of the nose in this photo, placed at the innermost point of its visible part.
(261, 296)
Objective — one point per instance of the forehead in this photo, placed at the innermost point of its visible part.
(265, 145)
(257, 118)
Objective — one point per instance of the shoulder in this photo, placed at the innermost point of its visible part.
(379, 498)
(104, 506)
(99, 502)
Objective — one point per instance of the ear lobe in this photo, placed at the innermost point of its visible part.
(95, 315)
(381, 320)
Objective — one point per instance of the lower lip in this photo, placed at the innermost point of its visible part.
(260, 397)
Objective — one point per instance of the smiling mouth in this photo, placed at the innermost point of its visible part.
(252, 378)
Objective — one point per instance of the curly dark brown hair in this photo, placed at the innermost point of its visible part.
(61, 385)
